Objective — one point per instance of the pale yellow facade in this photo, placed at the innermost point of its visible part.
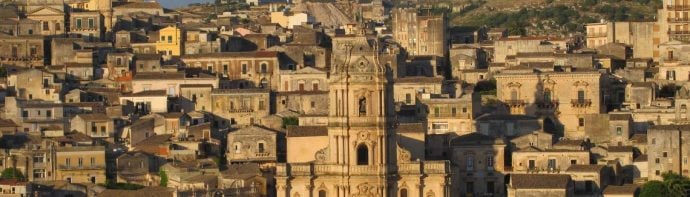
(170, 41)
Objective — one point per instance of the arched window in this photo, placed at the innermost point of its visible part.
(362, 155)
(322, 193)
(403, 192)
(362, 106)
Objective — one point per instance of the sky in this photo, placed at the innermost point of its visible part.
(179, 3)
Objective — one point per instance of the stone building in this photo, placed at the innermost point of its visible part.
(534, 160)
(252, 144)
(542, 93)
(510, 46)
(80, 164)
(479, 162)
(667, 151)
(94, 125)
(420, 32)
(240, 107)
(242, 69)
(52, 20)
(355, 154)
(22, 51)
(88, 25)
(445, 114)
(540, 185)
(638, 35)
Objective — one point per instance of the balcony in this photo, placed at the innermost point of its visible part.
(677, 7)
(579, 103)
(265, 154)
(84, 167)
(678, 32)
(409, 168)
(243, 110)
(553, 104)
(678, 20)
(596, 35)
(515, 103)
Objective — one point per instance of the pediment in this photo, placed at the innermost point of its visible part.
(309, 70)
(46, 11)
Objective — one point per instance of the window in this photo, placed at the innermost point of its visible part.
(57, 27)
(573, 162)
(78, 23)
(162, 38)
(68, 162)
(665, 154)
(653, 140)
(403, 192)
(261, 105)
(238, 148)
(464, 110)
(244, 69)
(103, 129)
(15, 51)
(169, 39)
(490, 162)
(362, 155)
(39, 173)
(46, 26)
(93, 161)
(657, 160)
(439, 126)
(408, 98)
(301, 87)
(552, 164)
(315, 87)
(490, 187)
(513, 95)
(46, 83)
(362, 106)
(49, 113)
(80, 162)
(25, 114)
(470, 187)
(437, 111)
(581, 122)
(453, 111)
(261, 147)
(531, 164)
(580, 95)
(38, 158)
(32, 51)
(619, 130)
(91, 23)
(225, 68)
(322, 193)
(264, 68)
(313, 104)
(470, 163)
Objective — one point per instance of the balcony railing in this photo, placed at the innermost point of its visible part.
(240, 110)
(678, 7)
(581, 102)
(265, 154)
(596, 35)
(679, 32)
(678, 20)
(515, 103)
(553, 104)
(83, 167)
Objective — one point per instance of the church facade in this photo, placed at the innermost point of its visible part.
(360, 152)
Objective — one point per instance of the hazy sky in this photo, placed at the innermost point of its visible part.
(178, 3)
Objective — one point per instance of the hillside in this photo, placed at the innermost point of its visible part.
(527, 17)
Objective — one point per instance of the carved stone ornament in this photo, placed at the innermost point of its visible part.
(322, 155)
(404, 155)
(581, 83)
(430, 193)
(514, 84)
(365, 190)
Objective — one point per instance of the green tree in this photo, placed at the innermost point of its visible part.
(673, 185)
(12, 173)
(164, 178)
(287, 121)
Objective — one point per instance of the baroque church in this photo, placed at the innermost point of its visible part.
(360, 152)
